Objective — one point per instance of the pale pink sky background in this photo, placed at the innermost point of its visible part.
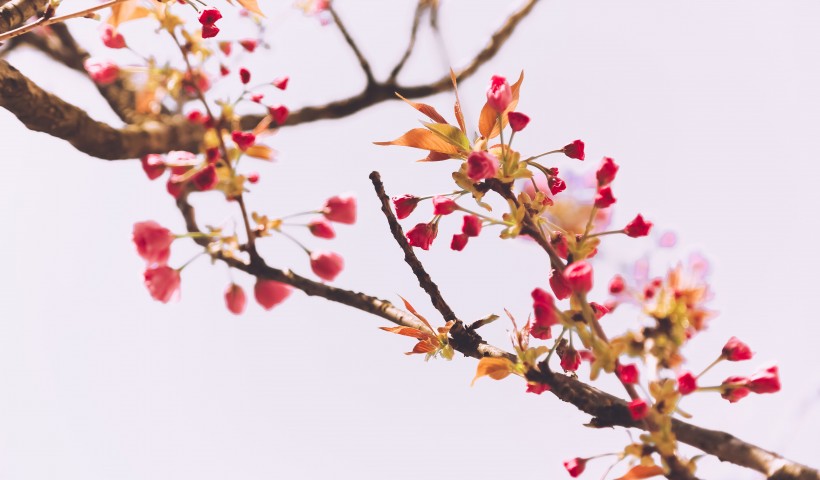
(711, 109)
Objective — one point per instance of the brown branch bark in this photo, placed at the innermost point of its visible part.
(60, 119)
(15, 12)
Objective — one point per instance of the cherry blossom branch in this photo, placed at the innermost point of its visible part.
(352, 43)
(44, 20)
(58, 118)
(13, 13)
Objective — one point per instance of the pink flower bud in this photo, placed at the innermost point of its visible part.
(598, 309)
(244, 75)
(766, 381)
(638, 227)
(257, 97)
(153, 242)
(604, 198)
(253, 177)
(606, 172)
(279, 113)
(559, 286)
(459, 242)
(443, 205)
(627, 373)
(570, 360)
(269, 293)
(422, 235)
(543, 306)
(321, 229)
(499, 94)
(687, 383)
(341, 209)
(537, 388)
(559, 243)
(518, 121)
(735, 350)
(235, 299)
(574, 150)
(556, 185)
(111, 38)
(481, 165)
(162, 283)
(102, 72)
(405, 205)
(224, 71)
(281, 83)
(243, 140)
(205, 179)
(471, 226)
(209, 16)
(575, 466)
(174, 188)
(249, 44)
(209, 31)
(638, 409)
(153, 165)
(617, 285)
(326, 265)
(734, 388)
(579, 277)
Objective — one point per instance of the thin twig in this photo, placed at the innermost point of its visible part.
(352, 43)
(421, 7)
(43, 21)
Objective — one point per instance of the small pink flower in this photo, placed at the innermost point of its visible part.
(575, 466)
(574, 150)
(341, 209)
(687, 383)
(459, 242)
(735, 350)
(235, 299)
(570, 360)
(244, 75)
(444, 205)
(153, 242)
(112, 38)
(765, 381)
(326, 265)
(153, 165)
(617, 285)
(638, 227)
(422, 235)
(499, 94)
(209, 31)
(102, 72)
(243, 140)
(405, 205)
(559, 286)
(556, 185)
(205, 179)
(162, 283)
(579, 277)
(638, 409)
(627, 373)
(537, 388)
(543, 306)
(471, 226)
(279, 113)
(604, 198)
(481, 165)
(606, 172)
(249, 44)
(209, 16)
(518, 121)
(321, 228)
(281, 83)
(269, 293)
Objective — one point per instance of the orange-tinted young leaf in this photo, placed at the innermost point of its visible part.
(488, 120)
(412, 310)
(495, 368)
(262, 125)
(424, 139)
(407, 332)
(639, 472)
(125, 11)
(424, 346)
(250, 5)
(427, 110)
(260, 151)
(450, 134)
(457, 106)
(435, 157)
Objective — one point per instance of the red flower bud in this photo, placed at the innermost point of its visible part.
(574, 150)
(225, 47)
(281, 83)
(735, 350)
(598, 309)
(444, 205)
(559, 285)
(249, 44)
(766, 381)
(102, 72)
(209, 31)
(235, 299)
(459, 242)
(321, 229)
(518, 121)
(638, 227)
(279, 113)
(543, 306)
(579, 277)
(575, 466)
(153, 242)
(153, 165)
(162, 283)
(627, 373)
(471, 226)
(537, 388)
(570, 360)
(405, 205)
(606, 172)
(559, 243)
(341, 209)
(257, 97)
(734, 388)
(687, 383)
(205, 179)
(111, 38)
(244, 75)
(638, 408)
(243, 140)
(209, 16)
(481, 165)
(326, 265)
(223, 70)
(617, 285)
(604, 198)
(422, 235)
(556, 185)
(269, 293)
(253, 177)
(499, 94)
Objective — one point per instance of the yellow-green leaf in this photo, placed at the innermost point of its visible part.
(450, 134)
(495, 368)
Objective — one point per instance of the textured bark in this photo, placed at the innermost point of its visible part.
(15, 12)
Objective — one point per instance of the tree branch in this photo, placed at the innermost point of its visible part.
(15, 12)
(352, 43)
(60, 119)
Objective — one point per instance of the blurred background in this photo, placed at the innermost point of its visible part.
(711, 109)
